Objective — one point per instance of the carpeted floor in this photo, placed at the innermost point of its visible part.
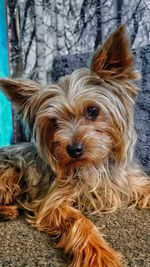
(127, 231)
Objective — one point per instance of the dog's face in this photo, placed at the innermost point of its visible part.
(83, 119)
(74, 121)
(80, 120)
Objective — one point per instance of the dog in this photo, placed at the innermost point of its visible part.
(81, 157)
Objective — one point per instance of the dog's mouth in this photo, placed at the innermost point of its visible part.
(76, 163)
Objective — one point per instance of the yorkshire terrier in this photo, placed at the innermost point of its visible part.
(81, 154)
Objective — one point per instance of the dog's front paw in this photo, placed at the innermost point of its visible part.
(97, 255)
(88, 247)
(144, 202)
(144, 197)
(8, 212)
(80, 238)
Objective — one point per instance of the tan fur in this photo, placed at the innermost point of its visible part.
(57, 186)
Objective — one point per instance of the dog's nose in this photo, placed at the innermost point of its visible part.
(75, 150)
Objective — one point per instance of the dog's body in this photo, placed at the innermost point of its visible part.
(82, 155)
(32, 173)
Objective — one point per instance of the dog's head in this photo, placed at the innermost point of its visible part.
(88, 116)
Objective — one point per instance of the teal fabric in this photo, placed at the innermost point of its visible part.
(5, 106)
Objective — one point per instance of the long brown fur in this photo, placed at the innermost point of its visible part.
(56, 186)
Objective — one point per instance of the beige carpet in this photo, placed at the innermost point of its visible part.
(127, 231)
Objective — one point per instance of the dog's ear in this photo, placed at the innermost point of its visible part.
(115, 58)
(23, 94)
(19, 91)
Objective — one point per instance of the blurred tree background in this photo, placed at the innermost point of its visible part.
(40, 30)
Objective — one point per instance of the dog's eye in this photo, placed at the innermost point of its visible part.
(92, 113)
(54, 123)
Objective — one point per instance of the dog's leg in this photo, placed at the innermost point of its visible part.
(139, 187)
(78, 235)
(9, 190)
(85, 242)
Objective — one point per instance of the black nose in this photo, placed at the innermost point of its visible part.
(75, 150)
